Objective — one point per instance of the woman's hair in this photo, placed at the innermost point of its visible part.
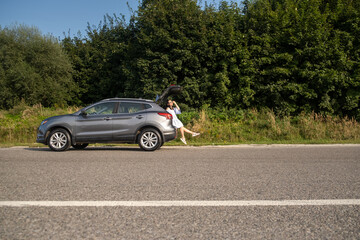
(168, 105)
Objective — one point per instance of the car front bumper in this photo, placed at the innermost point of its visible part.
(41, 135)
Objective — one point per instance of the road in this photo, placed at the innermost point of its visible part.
(194, 175)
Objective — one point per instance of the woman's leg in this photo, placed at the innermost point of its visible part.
(182, 132)
(187, 130)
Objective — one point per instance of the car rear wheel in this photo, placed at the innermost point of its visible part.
(80, 146)
(59, 140)
(150, 139)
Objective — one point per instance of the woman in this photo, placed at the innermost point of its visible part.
(176, 122)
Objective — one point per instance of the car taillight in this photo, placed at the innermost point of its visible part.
(167, 115)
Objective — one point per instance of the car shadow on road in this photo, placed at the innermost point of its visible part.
(89, 149)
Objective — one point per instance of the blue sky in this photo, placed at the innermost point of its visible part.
(56, 17)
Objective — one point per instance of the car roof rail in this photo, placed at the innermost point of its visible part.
(127, 99)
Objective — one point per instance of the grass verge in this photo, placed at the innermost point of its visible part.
(18, 127)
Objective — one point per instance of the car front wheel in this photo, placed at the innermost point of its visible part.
(150, 139)
(59, 140)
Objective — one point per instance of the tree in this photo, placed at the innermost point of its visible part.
(304, 61)
(287, 55)
(33, 69)
(99, 60)
(169, 48)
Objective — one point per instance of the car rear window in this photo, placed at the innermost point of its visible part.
(130, 107)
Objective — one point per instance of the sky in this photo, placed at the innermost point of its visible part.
(57, 17)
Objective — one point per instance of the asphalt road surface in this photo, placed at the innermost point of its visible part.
(261, 177)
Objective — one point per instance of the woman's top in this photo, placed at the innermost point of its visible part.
(175, 121)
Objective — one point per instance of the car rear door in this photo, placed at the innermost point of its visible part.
(96, 124)
(129, 118)
(170, 91)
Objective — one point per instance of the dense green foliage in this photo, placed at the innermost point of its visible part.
(306, 55)
(287, 55)
(290, 56)
(33, 69)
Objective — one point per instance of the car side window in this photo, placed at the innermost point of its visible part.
(129, 107)
(101, 109)
(147, 106)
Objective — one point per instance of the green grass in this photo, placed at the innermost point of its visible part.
(263, 127)
(18, 126)
(217, 127)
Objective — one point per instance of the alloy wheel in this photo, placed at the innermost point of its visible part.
(58, 140)
(149, 140)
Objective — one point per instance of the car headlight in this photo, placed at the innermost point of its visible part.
(44, 122)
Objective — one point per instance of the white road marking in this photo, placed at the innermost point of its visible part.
(276, 203)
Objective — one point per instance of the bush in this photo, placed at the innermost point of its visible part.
(33, 69)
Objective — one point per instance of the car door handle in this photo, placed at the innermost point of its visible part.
(107, 118)
(139, 116)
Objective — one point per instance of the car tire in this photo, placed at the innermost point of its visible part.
(59, 140)
(80, 146)
(150, 139)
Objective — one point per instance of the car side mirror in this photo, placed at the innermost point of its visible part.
(83, 113)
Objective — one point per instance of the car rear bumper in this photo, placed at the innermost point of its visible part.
(168, 136)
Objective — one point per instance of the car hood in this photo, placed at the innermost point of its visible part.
(58, 117)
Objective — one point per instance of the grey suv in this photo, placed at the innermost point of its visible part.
(117, 120)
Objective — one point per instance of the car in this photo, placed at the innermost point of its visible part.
(113, 120)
